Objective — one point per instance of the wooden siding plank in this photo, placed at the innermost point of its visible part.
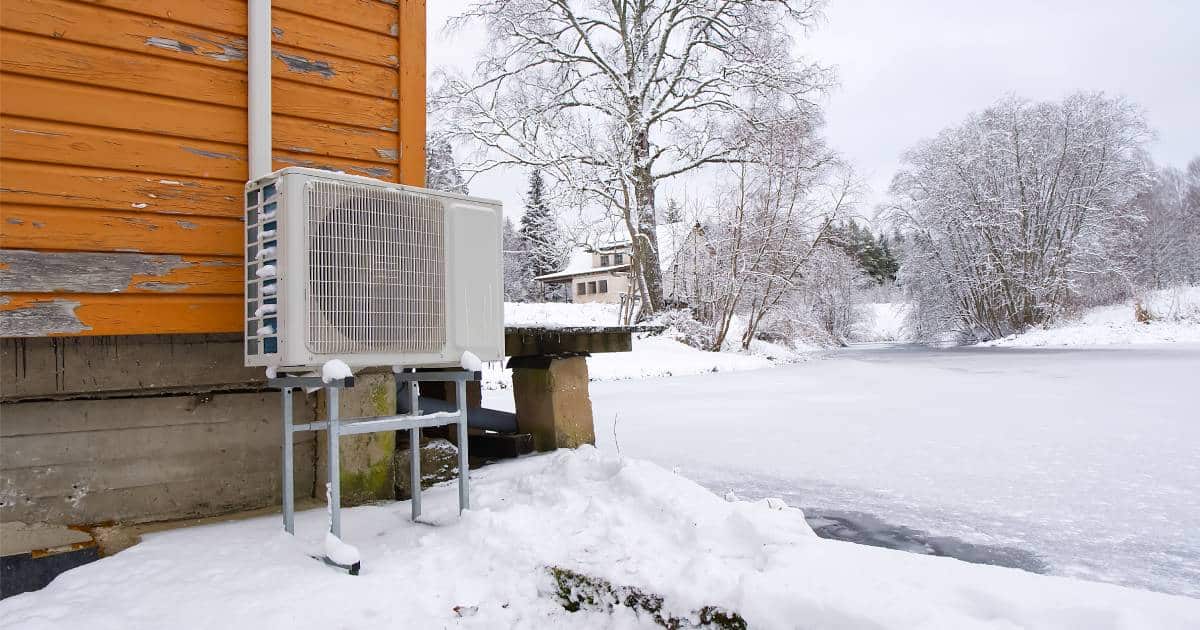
(34, 183)
(80, 63)
(25, 271)
(42, 227)
(364, 14)
(117, 30)
(37, 315)
(58, 143)
(371, 38)
(59, 101)
(412, 92)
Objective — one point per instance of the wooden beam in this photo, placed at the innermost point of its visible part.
(532, 342)
(412, 92)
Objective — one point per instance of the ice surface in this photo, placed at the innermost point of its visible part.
(1084, 457)
(626, 521)
(335, 370)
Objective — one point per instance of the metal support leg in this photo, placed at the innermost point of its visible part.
(335, 481)
(464, 498)
(289, 499)
(414, 445)
(414, 471)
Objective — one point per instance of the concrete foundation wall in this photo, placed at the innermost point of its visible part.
(140, 428)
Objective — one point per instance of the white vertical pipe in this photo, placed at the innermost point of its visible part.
(258, 106)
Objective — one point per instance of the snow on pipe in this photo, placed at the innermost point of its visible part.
(258, 69)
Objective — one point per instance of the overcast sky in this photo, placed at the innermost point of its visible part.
(909, 68)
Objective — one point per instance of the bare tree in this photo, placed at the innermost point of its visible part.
(610, 98)
(786, 194)
(1168, 241)
(1008, 212)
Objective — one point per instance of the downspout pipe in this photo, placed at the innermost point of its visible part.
(258, 70)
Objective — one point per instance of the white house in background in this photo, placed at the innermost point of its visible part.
(601, 272)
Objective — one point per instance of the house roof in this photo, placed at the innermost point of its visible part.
(671, 237)
(565, 275)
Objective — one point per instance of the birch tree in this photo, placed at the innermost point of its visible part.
(1008, 212)
(609, 98)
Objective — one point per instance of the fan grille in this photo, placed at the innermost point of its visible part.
(376, 270)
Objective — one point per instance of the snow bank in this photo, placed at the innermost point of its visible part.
(1176, 314)
(560, 314)
(628, 522)
(655, 355)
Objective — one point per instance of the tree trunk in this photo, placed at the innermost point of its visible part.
(646, 243)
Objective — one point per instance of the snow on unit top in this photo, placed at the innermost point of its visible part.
(369, 272)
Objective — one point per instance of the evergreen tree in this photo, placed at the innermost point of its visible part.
(872, 254)
(518, 278)
(441, 171)
(673, 213)
(543, 240)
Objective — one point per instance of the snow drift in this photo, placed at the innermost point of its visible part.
(628, 522)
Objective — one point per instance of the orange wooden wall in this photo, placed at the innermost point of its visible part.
(123, 146)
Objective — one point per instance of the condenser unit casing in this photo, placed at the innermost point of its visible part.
(369, 272)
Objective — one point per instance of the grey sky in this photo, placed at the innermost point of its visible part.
(908, 68)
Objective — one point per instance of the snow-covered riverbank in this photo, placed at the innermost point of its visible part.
(629, 523)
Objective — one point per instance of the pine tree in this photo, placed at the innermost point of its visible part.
(543, 239)
(673, 213)
(518, 279)
(441, 171)
(871, 253)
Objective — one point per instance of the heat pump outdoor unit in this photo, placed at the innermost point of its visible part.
(369, 272)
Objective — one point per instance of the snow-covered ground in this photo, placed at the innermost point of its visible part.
(1175, 312)
(628, 522)
(653, 355)
(1086, 458)
(657, 355)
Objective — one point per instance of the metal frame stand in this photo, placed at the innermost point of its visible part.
(413, 421)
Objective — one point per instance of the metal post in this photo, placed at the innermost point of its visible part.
(414, 445)
(460, 395)
(414, 471)
(289, 501)
(335, 479)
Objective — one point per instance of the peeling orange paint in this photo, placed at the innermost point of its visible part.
(123, 127)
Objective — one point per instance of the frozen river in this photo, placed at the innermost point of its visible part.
(1087, 462)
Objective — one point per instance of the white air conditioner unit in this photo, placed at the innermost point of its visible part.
(369, 272)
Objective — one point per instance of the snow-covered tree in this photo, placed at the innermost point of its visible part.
(611, 98)
(1007, 213)
(1168, 241)
(783, 200)
(518, 278)
(441, 170)
(546, 249)
(833, 286)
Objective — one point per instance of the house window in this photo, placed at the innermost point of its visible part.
(604, 286)
(604, 260)
(591, 287)
(580, 289)
(618, 259)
